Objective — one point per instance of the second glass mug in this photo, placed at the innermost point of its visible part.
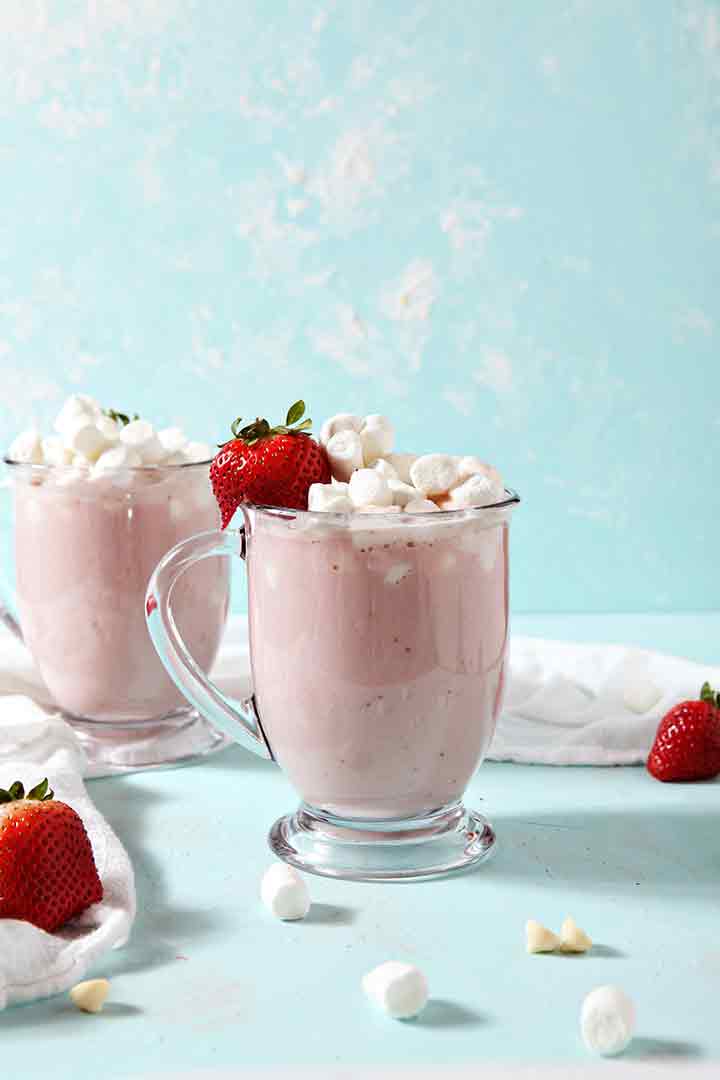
(378, 648)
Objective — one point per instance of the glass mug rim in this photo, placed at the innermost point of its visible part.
(45, 468)
(462, 514)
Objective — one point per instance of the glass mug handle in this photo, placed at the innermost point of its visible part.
(238, 720)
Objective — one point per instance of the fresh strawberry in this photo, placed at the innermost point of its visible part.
(47, 870)
(687, 743)
(268, 466)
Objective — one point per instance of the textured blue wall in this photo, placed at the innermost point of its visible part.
(498, 222)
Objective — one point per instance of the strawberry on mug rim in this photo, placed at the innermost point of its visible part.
(268, 466)
(687, 743)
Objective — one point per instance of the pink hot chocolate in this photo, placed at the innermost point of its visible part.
(378, 651)
(84, 552)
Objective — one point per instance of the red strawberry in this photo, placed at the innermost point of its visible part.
(47, 870)
(687, 743)
(268, 466)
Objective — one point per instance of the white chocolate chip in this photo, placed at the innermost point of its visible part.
(369, 488)
(400, 990)
(607, 1020)
(345, 454)
(572, 938)
(339, 422)
(539, 939)
(90, 996)
(377, 436)
(434, 474)
(284, 893)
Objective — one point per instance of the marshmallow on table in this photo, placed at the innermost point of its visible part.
(329, 498)
(399, 989)
(369, 488)
(539, 939)
(434, 474)
(27, 448)
(284, 893)
(377, 436)
(339, 422)
(345, 454)
(607, 1020)
(419, 505)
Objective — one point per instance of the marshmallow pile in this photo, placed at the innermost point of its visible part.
(90, 438)
(370, 478)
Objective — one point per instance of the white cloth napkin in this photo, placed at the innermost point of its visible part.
(34, 744)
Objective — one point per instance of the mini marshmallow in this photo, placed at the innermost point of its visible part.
(86, 439)
(91, 995)
(640, 693)
(76, 408)
(607, 1020)
(402, 464)
(477, 490)
(195, 453)
(119, 457)
(328, 498)
(139, 435)
(340, 487)
(572, 938)
(434, 474)
(27, 448)
(420, 506)
(172, 440)
(400, 990)
(539, 939)
(369, 488)
(377, 436)
(340, 422)
(284, 893)
(55, 452)
(401, 493)
(345, 454)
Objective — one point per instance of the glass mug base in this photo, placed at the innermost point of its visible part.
(444, 842)
(177, 738)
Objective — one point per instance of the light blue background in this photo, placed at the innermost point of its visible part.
(498, 222)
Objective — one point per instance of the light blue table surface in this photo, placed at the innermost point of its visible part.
(210, 981)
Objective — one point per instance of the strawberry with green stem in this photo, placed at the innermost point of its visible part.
(268, 466)
(687, 743)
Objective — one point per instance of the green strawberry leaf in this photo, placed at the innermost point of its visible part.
(5, 796)
(39, 791)
(295, 413)
(16, 790)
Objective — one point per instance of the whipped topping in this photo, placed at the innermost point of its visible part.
(370, 477)
(94, 440)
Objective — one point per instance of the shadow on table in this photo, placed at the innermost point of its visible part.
(441, 1013)
(625, 848)
(661, 1049)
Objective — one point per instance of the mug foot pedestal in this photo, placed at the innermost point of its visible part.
(178, 738)
(444, 842)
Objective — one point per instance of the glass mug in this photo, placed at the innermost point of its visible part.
(84, 549)
(378, 647)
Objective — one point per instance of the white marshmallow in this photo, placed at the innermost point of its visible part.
(573, 939)
(340, 422)
(85, 439)
(539, 939)
(119, 457)
(139, 435)
(402, 493)
(607, 1020)
(339, 486)
(468, 466)
(27, 448)
(55, 452)
(172, 440)
(328, 498)
(284, 892)
(344, 452)
(196, 452)
(420, 506)
(478, 490)
(402, 464)
(386, 469)
(434, 474)
(90, 996)
(377, 436)
(369, 488)
(76, 408)
(401, 990)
